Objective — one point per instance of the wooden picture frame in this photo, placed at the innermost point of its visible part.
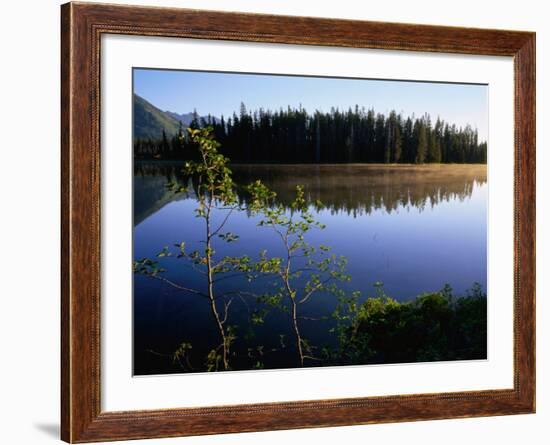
(82, 26)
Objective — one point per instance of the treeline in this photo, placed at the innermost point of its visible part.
(295, 136)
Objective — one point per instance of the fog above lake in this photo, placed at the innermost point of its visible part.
(354, 189)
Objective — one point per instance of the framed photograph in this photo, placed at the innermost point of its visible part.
(274, 222)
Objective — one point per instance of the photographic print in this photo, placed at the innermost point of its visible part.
(292, 212)
(285, 221)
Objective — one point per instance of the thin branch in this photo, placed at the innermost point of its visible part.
(160, 354)
(238, 293)
(312, 358)
(226, 277)
(223, 223)
(240, 274)
(302, 269)
(177, 286)
(235, 207)
(314, 289)
(226, 309)
(309, 318)
(241, 297)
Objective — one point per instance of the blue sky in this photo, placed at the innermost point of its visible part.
(221, 94)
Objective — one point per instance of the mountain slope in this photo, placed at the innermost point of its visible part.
(185, 118)
(149, 121)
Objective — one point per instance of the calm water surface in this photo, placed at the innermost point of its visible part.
(412, 228)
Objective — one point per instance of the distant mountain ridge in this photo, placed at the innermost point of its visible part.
(187, 118)
(150, 121)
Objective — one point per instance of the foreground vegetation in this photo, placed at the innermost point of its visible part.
(434, 326)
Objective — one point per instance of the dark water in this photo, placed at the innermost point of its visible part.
(412, 228)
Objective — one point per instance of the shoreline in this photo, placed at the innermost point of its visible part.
(352, 164)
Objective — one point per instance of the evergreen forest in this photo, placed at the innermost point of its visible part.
(295, 136)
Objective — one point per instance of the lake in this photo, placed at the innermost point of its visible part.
(412, 228)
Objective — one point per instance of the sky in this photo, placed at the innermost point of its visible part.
(220, 94)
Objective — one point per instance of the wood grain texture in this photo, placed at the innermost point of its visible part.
(81, 28)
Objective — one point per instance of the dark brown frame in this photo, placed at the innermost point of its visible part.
(82, 25)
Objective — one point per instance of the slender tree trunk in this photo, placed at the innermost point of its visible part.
(210, 280)
(297, 331)
(294, 310)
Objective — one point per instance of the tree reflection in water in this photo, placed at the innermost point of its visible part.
(356, 189)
